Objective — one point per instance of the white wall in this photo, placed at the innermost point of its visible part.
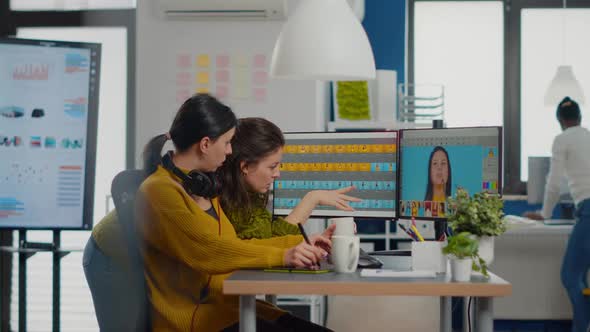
(292, 105)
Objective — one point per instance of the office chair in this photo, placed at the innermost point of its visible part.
(123, 190)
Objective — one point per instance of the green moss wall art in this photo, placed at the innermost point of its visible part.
(353, 100)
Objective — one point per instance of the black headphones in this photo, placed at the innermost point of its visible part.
(204, 184)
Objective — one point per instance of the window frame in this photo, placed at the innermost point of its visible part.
(512, 79)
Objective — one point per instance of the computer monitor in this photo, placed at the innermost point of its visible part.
(435, 162)
(48, 120)
(366, 160)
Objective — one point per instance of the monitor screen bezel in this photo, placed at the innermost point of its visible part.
(91, 131)
(400, 166)
(318, 213)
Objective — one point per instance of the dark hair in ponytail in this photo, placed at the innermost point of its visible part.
(568, 110)
(201, 115)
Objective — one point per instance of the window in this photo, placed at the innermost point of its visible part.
(77, 312)
(460, 44)
(549, 38)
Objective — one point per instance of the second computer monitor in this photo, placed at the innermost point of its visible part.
(435, 162)
(316, 161)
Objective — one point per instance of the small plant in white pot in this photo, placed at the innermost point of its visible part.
(480, 215)
(463, 255)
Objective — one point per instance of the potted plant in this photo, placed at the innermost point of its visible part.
(480, 215)
(463, 255)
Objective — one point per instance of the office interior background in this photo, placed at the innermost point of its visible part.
(495, 60)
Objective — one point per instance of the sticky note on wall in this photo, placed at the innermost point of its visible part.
(222, 76)
(183, 61)
(203, 60)
(203, 77)
(222, 61)
(259, 61)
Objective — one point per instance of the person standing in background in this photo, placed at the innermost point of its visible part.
(570, 157)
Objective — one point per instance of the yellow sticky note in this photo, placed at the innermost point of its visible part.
(240, 60)
(203, 77)
(203, 60)
(202, 90)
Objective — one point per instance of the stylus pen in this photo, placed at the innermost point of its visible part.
(302, 231)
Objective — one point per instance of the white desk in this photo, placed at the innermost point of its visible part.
(539, 228)
(247, 284)
(530, 257)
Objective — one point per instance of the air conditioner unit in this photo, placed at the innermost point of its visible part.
(223, 9)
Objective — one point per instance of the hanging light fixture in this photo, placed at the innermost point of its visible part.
(323, 40)
(564, 83)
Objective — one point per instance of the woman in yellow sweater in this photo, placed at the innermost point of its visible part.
(248, 174)
(190, 246)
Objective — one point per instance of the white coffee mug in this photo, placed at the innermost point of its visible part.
(344, 226)
(345, 253)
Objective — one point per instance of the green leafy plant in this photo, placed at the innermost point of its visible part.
(480, 215)
(463, 245)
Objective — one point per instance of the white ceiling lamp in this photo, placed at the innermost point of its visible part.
(564, 83)
(323, 40)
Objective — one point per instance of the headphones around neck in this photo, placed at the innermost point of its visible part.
(204, 184)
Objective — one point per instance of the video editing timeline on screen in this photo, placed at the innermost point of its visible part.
(435, 162)
(366, 160)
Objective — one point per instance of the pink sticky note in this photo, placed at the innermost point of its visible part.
(260, 77)
(183, 60)
(259, 95)
(221, 91)
(260, 61)
(222, 61)
(182, 95)
(222, 76)
(183, 79)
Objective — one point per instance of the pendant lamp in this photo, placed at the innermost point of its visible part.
(323, 40)
(564, 83)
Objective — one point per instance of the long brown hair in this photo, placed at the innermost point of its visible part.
(255, 139)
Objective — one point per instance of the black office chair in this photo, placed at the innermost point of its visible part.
(123, 190)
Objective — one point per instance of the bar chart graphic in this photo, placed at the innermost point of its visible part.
(31, 72)
(10, 206)
(69, 186)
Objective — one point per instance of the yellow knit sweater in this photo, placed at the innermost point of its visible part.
(185, 247)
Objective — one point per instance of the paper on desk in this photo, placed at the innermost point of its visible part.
(397, 274)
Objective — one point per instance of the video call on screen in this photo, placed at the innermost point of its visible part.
(436, 162)
(316, 161)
